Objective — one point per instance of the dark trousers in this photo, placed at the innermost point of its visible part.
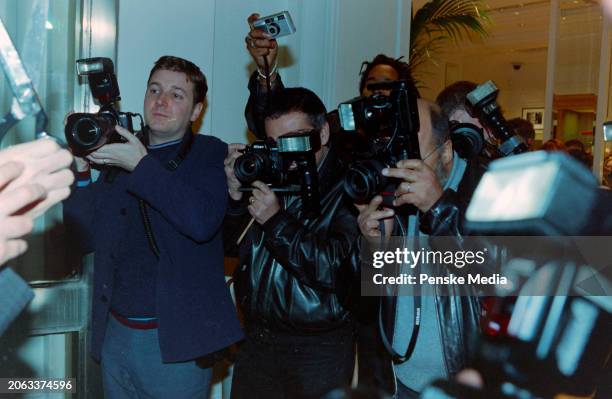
(374, 362)
(280, 366)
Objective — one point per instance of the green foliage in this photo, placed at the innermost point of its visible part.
(439, 22)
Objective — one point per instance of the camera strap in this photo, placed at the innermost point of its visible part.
(171, 165)
(416, 326)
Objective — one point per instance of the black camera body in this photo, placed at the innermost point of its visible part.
(482, 101)
(287, 165)
(86, 132)
(391, 125)
(260, 161)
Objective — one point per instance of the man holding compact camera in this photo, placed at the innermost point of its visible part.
(262, 47)
(439, 185)
(153, 220)
(295, 274)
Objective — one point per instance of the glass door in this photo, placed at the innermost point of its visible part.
(49, 338)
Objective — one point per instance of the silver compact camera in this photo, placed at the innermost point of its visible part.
(276, 25)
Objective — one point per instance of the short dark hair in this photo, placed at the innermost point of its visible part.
(296, 99)
(194, 74)
(401, 67)
(453, 97)
(575, 144)
(523, 128)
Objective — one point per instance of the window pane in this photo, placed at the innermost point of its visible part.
(46, 258)
(577, 72)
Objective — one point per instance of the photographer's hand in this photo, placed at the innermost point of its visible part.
(370, 216)
(124, 155)
(260, 45)
(420, 185)
(264, 203)
(233, 184)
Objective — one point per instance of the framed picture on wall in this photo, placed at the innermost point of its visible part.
(535, 116)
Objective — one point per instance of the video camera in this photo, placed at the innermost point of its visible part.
(558, 335)
(87, 132)
(391, 125)
(287, 165)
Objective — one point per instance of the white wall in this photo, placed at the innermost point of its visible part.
(148, 29)
(333, 38)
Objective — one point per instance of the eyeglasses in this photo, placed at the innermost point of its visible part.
(436, 148)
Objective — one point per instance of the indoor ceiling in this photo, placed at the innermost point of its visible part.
(521, 27)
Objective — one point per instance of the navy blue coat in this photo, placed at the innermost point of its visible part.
(195, 312)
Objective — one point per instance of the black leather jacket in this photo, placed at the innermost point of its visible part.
(294, 275)
(458, 313)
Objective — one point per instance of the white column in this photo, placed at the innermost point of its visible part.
(550, 69)
(602, 98)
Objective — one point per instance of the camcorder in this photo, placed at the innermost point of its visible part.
(390, 125)
(276, 25)
(86, 132)
(287, 165)
(482, 102)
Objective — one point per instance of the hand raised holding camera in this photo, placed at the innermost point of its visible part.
(261, 44)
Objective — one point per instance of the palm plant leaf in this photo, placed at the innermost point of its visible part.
(439, 21)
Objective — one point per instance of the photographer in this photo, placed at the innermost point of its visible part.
(33, 177)
(153, 220)
(453, 102)
(372, 358)
(439, 185)
(259, 44)
(294, 274)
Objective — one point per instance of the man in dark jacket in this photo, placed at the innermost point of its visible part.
(372, 357)
(439, 185)
(153, 220)
(294, 273)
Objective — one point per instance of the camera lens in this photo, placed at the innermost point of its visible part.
(364, 180)
(86, 132)
(250, 167)
(273, 29)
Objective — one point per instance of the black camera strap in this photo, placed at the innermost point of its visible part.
(416, 326)
(171, 165)
(267, 73)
